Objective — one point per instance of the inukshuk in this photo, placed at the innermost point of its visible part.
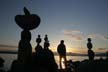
(90, 51)
(27, 22)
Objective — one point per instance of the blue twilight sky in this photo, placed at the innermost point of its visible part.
(71, 20)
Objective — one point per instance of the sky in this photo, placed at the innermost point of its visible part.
(70, 20)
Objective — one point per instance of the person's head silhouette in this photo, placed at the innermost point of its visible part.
(89, 39)
(38, 36)
(62, 42)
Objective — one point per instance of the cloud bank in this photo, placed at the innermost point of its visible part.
(73, 34)
(99, 36)
(77, 35)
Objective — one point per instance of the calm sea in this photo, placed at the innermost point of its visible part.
(10, 57)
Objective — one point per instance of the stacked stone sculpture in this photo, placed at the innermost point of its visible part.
(27, 22)
(38, 48)
(46, 43)
(90, 51)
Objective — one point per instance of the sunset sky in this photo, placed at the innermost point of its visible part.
(70, 20)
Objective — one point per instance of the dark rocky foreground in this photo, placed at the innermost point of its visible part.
(93, 66)
(99, 65)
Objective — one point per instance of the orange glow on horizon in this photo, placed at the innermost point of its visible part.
(71, 50)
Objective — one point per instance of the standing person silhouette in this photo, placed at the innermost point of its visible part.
(61, 49)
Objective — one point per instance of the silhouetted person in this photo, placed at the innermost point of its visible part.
(62, 52)
(38, 48)
(90, 52)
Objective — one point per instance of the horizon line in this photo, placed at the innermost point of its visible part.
(56, 54)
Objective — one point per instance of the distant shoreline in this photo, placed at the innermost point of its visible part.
(56, 54)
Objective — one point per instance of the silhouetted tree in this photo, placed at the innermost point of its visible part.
(62, 53)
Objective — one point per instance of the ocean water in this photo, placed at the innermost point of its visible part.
(10, 57)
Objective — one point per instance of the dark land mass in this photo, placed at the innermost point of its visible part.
(56, 54)
(99, 65)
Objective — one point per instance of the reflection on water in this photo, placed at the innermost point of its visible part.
(63, 65)
(8, 60)
(10, 57)
(74, 58)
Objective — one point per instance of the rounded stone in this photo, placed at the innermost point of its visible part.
(28, 22)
